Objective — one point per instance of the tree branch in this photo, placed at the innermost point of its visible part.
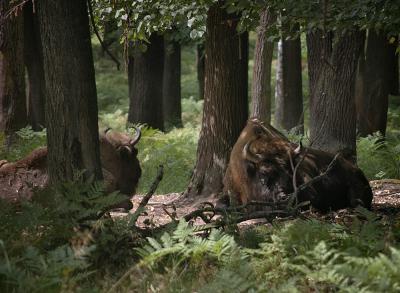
(105, 48)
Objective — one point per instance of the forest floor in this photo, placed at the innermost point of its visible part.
(386, 202)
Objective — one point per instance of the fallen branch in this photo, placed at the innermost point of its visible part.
(147, 197)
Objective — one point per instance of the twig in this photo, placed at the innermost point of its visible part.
(147, 197)
(105, 48)
(319, 177)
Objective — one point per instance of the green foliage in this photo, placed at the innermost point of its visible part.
(296, 256)
(176, 150)
(378, 157)
(22, 143)
(53, 242)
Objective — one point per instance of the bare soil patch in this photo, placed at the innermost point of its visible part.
(159, 210)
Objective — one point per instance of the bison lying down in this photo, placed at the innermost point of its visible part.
(262, 165)
(119, 161)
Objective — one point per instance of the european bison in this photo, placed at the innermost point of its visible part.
(262, 165)
(121, 168)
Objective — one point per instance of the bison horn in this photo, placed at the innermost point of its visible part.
(299, 148)
(249, 156)
(136, 139)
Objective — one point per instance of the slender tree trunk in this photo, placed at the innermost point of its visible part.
(13, 115)
(172, 85)
(200, 62)
(34, 66)
(289, 91)
(373, 85)
(71, 99)
(244, 61)
(261, 85)
(393, 62)
(225, 101)
(130, 73)
(146, 100)
(332, 69)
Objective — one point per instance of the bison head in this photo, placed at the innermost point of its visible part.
(261, 168)
(119, 157)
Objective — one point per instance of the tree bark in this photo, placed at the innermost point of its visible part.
(172, 85)
(261, 85)
(146, 100)
(225, 101)
(71, 99)
(393, 62)
(200, 62)
(332, 70)
(289, 90)
(13, 113)
(373, 85)
(34, 66)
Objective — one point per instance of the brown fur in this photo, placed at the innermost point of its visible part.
(121, 168)
(266, 174)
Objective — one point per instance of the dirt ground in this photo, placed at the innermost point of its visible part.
(386, 202)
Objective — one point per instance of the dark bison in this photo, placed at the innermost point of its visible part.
(121, 168)
(262, 165)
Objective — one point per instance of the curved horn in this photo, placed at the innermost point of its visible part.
(136, 139)
(107, 130)
(249, 156)
(299, 148)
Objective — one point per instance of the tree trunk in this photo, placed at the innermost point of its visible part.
(225, 101)
(172, 85)
(289, 91)
(332, 70)
(261, 85)
(372, 88)
(200, 62)
(146, 100)
(34, 66)
(13, 115)
(71, 99)
(393, 62)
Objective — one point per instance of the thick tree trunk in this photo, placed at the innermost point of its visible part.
(225, 101)
(200, 63)
(146, 100)
(373, 85)
(332, 69)
(71, 99)
(130, 73)
(172, 85)
(13, 113)
(289, 91)
(34, 66)
(261, 85)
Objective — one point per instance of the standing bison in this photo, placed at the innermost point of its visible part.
(263, 164)
(121, 168)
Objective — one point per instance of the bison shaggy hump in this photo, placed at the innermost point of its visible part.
(261, 169)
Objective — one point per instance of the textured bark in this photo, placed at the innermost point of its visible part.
(288, 93)
(261, 84)
(13, 113)
(373, 85)
(225, 101)
(172, 85)
(332, 68)
(34, 66)
(146, 99)
(200, 62)
(71, 99)
(130, 73)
